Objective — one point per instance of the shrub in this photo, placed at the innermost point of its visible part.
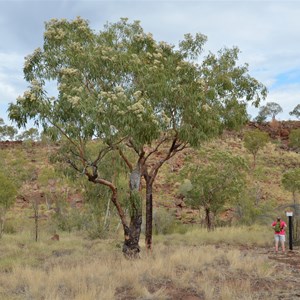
(163, 222)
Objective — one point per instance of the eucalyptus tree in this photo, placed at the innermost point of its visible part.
(31, 134)
(296, 111)
(6, 131)
(221, 179)
(291, 181)
(122, 86)
(254, 141)
(271, 109)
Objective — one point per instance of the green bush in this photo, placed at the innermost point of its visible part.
(163, 222)
(9, 228)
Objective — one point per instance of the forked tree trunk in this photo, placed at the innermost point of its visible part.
(131, 248)
(132, 232)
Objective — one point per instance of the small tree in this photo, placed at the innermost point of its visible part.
(291, 181)
(296, 111)
(8, 193)
(294, 138)
(221, 180)
(271, 109)
(32, 134)
(254, 141)
(7, 132)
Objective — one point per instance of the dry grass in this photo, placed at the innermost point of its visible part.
(244, 235)
(198, 264)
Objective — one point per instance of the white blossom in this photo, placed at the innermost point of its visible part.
(150, 36)
(119, 89)
(103, 94)
(206, 107)
(157, 55)
(69, 71)
(27, 94)
(137, 94)
(74, 99)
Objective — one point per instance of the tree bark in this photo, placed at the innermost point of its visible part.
(208, 219)
(149, 216)
(131, 248)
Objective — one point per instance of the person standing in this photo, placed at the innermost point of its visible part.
(279, 233)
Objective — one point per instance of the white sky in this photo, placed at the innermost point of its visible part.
(267, 33)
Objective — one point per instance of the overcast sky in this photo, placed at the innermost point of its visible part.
(267, 33)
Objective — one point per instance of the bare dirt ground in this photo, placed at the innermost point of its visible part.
(284, 286)
(286, 283)
(289, 266)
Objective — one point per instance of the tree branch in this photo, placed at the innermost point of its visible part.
(127, 162)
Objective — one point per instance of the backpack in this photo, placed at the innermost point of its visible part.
(277, 227)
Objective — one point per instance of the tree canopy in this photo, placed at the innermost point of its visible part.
(296, 111)
(6, 131)
(110, 81)
(211, 185)
(271, 109)
(291, 181)
(254, 141)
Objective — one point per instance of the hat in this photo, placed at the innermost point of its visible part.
(278, 218)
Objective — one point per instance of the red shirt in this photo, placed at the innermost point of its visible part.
(282, 225)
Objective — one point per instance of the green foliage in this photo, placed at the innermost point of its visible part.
(260, 118)
(164, 222)
(71, 220)
(291, 180)
(220, 180)
(112, 80)
(7, 132)
(17, 165)
(249, 210)
(294, 138)
(254, 141)
(31, 134)
(296, 111)
(134, 203)
(9, 227)
(185, 187)
(271, 109)
(8, 192)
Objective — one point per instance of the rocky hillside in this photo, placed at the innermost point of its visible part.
(166, 187)
(277, 130)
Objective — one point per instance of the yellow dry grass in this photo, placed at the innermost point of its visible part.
(205, 265)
